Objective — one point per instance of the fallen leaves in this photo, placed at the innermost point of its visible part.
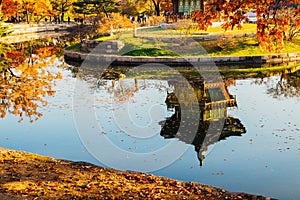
(30, 175)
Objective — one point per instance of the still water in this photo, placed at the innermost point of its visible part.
(126, 124)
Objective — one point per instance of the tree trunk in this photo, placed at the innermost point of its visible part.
(157, 10)
(27, 17)
(62, 16)
(156, 7)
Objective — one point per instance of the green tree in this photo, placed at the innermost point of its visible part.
(95, 7)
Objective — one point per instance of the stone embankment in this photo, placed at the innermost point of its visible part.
(272, 59)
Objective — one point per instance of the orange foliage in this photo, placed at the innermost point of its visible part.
(166, 6)
(9, 8)
(116, 23)
(274, 18)
(24, 85)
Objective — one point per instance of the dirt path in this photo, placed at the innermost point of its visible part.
(30, 176)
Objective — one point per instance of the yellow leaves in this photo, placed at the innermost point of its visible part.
(3, 113)
(58, 75)
(51, 92)
(24, 89)
(117, 22)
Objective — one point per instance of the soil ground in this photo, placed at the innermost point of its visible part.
(30, 176)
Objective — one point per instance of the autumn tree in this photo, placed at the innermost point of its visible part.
(114, 24)
(26, 82)
(165, 5)
(129, 7)
(32, 10)
(25, 79)
(277, 20)
(9, 8)
(61, 7)
(4, 48)
(42, 9)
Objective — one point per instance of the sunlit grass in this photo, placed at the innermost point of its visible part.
(157, 31)
(247, 28)
(104, 38)
(223, 46)
(244, 47)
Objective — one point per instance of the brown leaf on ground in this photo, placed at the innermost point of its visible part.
(30, 176)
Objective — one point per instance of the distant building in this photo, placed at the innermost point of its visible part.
(186, 7)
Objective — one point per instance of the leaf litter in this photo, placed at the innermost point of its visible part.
(30, 176)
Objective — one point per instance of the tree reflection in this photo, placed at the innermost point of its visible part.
(25, 81)
(211, 115)
(287, 86)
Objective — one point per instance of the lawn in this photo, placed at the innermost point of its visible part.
(191, 30)
(244, 47)
(227, 44)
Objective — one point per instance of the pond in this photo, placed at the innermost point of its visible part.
(244, 139)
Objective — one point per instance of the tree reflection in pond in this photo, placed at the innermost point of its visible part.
(26, 81)
(287, 86)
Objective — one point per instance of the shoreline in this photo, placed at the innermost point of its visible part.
(271, 59)
(31, 176)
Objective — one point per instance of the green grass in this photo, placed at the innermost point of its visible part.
(104, 38)
(230, 46)
(75, 47)
(246, 46)
(150, 52)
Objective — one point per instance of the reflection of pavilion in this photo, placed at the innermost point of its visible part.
(214, 122)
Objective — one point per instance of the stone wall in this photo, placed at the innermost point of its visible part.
(101, 46)
(268, 60)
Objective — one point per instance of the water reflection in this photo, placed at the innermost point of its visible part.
(211, 114)
(26, 80)
(269, 150)
(213, 100)
(287, 86)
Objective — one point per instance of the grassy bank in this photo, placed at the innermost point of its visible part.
(225, 45)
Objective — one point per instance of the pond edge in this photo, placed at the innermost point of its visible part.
(272, 59)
